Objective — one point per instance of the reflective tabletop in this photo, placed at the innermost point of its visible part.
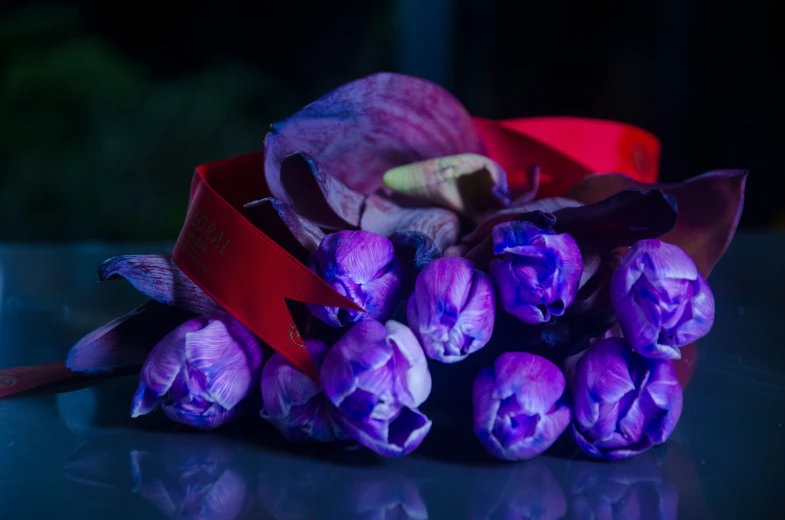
(72, 451)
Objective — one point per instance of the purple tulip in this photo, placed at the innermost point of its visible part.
(519, 406)
(376, 376)
(663, 303)
(536, 271)
(452, 309)
(200, 372)
(361, 266)
(293, 403)
(624, 403)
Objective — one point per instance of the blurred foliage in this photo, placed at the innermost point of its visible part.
(91, 146)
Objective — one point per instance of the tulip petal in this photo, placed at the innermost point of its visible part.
(537, 383)
(411, 364)
(337, 375)
(360, 255)
(385, 218)
(317, 349)
(468, 184)
(125, 341)
(397, 438)
(227, 355)
(701, 313)
(484, 403)
(284, 386)
(293, 403)
(710, 206)
(157, 277)
(441, 292)
(298, 235)
(479, 314)
(162, 367)
(618, 221)
(664, 392)
(607, 372)
(366, 127)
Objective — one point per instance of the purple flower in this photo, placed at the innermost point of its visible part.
(452, 309)
(200, 372)
(519, 406)
(361, 266)
(536, 271)
(376, 376)
(293, 403)
(624, 403)
(662, 301)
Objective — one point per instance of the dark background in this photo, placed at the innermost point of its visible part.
(106, 107)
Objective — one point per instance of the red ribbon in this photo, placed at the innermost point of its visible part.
(19, 379)
(240, 267)
(567, 149)
(251, 276)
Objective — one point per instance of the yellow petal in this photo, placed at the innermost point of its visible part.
(469, 184)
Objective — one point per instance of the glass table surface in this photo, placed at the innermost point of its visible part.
(72, 450)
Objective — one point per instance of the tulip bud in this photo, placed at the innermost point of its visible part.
(452, 309)
(662, 302)
(361, 266)
(200, 372)
(293, 403)
(376, 376)
(519, 406)
(537, 272)
(624, 403)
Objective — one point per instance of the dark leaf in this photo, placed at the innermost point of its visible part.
(125, 341)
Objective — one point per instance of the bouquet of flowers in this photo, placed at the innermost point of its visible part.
(539, 311)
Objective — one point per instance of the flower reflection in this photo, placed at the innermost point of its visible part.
(205, 477)
(299, 491)
(193, 477)
(192, 484)
(630, 490)
(385, 496)
(527, 490)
